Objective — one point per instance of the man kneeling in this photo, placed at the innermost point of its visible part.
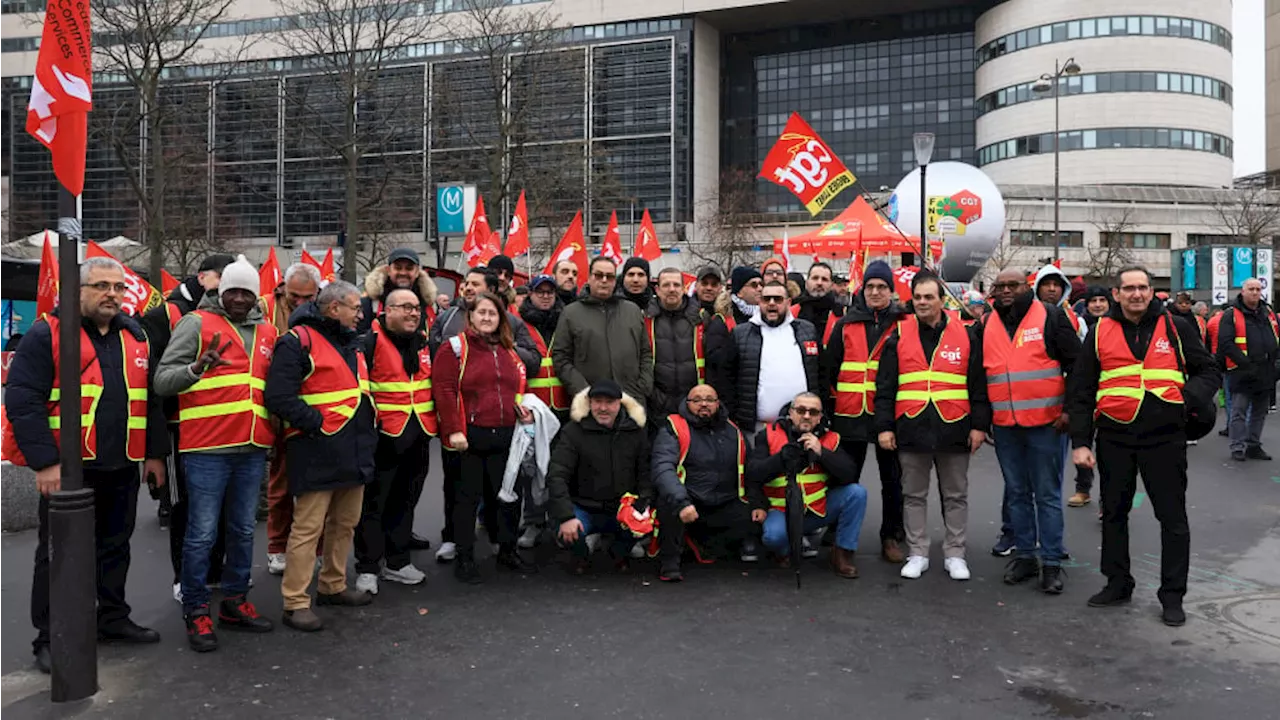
(601, 455)
(698, 463)
(798, 443)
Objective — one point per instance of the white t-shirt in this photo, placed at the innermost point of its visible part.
(781, 369)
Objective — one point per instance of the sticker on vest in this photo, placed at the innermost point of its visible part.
(810, 347)
(1030, 335)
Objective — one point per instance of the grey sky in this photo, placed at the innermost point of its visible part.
(1249, 83)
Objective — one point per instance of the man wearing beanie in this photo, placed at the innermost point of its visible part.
(849, 373)
(216, 364)
(505, 270)
(635, 282)
(402, 271)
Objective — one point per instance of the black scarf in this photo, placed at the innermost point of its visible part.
(544, 321)
(641, 299)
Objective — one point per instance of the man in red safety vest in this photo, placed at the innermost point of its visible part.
(1248, 346)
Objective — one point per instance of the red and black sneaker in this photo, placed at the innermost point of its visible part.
(237, 613)
(200, 631)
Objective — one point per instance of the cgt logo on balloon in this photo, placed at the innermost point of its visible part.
(964, 209)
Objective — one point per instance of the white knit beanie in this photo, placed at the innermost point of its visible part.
(240, 274)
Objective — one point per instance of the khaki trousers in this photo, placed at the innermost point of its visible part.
(953, 486)
(333, 513)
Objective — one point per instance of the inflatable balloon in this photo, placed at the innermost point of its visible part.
(965, 210)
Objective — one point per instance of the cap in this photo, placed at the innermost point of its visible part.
(540, 279)
(216, 262)
(711, 270)
(502, 262)
(605, 389)
(840, 278)
(404, 253)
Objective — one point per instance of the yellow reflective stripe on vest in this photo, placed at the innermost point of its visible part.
(137, 423)
(855, 387)
(1122, 371)
(55, 421)
(932, 376)
(926, 395)
(546, 362)
(544, 382)
(225, 381)
(336, 396)
(138, 394)
(1170, 375)
(86, 391)
(852, 365)
(217, 409)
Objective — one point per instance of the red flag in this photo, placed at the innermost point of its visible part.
(902, 278)
(306, 258)
(62, 90)
(518, 233)
(492, 248)
(168, 283)
(47, 289)
(802, 163)
(141, 296)
(647, 240)
(690, 281)
(477, 242)
(269, 276)
(611, 246)
(326, 267)
(572, 247)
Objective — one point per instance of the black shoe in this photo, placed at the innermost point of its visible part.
(1004, 546)
(200, 634)
(1112, 595)
(1257, 453)
(1020, 570)
(1172, 615)
(1051, 579)
(670, 571)
(1238, 455)
(43, 662)
(511, 560)
(162, 514)
(129, 632)
(237, 613)
(417, 542)
(466, 570)
(1224, 433)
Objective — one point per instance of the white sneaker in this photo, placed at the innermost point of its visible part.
(807, 550)
(446, 553)
(916, 565)
(275, 563)
(593, 543)
(177, 592)
(957, 568)
(529, 538)
(638, 551)
(367, 582)
(407, 575)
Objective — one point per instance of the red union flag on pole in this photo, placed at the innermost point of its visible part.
(518, 233)
(477, 242)
(802, 163)
(611, 245)
(269, 276)
(61, 90)
(572, 247)
(140, 295)
(47, 287)
(646, 245)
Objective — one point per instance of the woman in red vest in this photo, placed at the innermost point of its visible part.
(479, 381)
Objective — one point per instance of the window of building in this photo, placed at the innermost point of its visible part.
(1044, 238)
(1205, 239)
(1100, 27)
(1110, 82)
(1137, 241)
(1106, 138)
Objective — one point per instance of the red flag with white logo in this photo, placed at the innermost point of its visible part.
(62, 90)
(326, 267)
(492, 248)
(518, 233)
(269, 276)
(307, 258)
(572, 247)
(47, 288)
(140, 295)
(611, 246)
(647, 240)
(477, 242)
(802, 163)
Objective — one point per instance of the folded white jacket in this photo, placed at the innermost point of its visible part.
(536, 443)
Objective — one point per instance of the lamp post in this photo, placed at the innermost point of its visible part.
(923, 142)
(1053, 83)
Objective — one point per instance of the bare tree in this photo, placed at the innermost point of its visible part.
(1252, 215)
(727, 235)
(157, 129)
(1111, 254)
(355, 104)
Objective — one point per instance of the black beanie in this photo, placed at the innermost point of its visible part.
(740, 276)
(502, 262)
(637, 262)
(1096, 291)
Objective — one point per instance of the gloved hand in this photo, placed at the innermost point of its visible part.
(794, 458)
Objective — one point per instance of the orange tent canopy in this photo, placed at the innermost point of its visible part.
(858, 229)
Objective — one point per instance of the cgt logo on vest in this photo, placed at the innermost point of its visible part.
(141, 362)
(949, 354)
(266, 351)
(1162, 346)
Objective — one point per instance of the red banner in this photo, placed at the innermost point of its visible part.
(140, 297)
(168, 283)
(647, 240)
(611, 246)
(572, 247)
(476, 247)
(802, 163)
(47, 288)
(518, 233)
(269, 277)
(326, 267)
(62, 90)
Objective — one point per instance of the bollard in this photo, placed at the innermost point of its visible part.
(73, 595)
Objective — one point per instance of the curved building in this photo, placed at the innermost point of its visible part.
(1151, 105)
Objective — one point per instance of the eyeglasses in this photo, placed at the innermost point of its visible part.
(1006, 286)
(406, 307)
(703, 401)
(770, 299)
(1135, 289)
(104, 286)
(809, 412)
(355, 308)
(544, 291)
(604, 276)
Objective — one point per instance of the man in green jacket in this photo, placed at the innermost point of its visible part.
(602, 337)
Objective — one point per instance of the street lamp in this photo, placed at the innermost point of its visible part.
(1053, 83)
(923, 142)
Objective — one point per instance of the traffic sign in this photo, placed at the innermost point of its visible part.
(1219, 296)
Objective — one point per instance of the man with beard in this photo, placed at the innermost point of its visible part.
(849, 365)
(707, 289)
(840, 289)
(403, 271)
(674, 326)
(738, 305)
(566, 272)
(635, 282)
(817, 304)
(601, 337)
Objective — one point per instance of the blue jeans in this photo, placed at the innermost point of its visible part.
(1031, 461)
(602, 522)
(215, 479)
(846, 506)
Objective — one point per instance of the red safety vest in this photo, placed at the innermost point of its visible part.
(397, 395)
(1201, 325)
(1025, 385)
(855, 393)
(225, 408)
(684, 439)
(1242, 340)
(462, 349)
(546, 385)
(173, 313)
(1125, 381)
(813, 481)
(941, 380)
(699, 356)
(329, 386)
(1211, 329)
(729, 322)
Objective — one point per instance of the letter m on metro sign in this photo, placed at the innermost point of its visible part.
(802, 163)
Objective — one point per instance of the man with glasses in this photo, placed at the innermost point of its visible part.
(126, 429)
(403, 271)
(1248, 335)
(1141, 378)
(698, 460)
(849, 365)
(774, 269)
(602, 337)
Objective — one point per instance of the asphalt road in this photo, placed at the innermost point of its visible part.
(732, 641)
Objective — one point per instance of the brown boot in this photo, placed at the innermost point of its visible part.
(842, 562)
(891, 551)
(349, 597)
(305, 620)
(1080, 499)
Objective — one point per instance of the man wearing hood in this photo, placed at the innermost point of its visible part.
(1051, 287)
(818, 304)
(403, 271)
(849, 365)
(635, 282)
(1248, 336)
(676, 334)
(698, 460)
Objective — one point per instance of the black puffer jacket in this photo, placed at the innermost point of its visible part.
(736, 377)
(594, 466)
(675, 367)
(711, 467)
(874, 324)
(819, 310)
(317, 461)
(1255, 373)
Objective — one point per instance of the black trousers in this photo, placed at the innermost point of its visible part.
(115, 501)
(481, 478)
(891, 523)
(1164, 474)
(386, 521)
(178, 515)
(717, 526)
(451, 467)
